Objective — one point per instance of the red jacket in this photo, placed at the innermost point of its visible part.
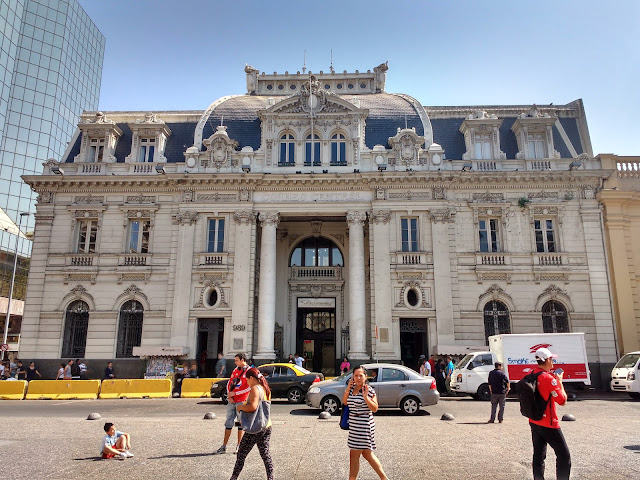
(551, 390)
(243, 389)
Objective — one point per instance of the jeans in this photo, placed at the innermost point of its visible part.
(231, 417)
(497, 399)
(541, 437)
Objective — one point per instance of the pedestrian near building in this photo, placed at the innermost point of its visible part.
(193, 371)
(67, 370)
(425, 368)
(448, 370)
(440, 377)
(546, 431)
(84, 370)
(260, 392)
(109, 373)
(203, 363)
(221, 366)
(21, 372)
(298, 360)
(60, 375)
(499, 388)
(32, 372)
(363, 402)
(237, 392)
(432, 363)
(75, 370)
(291, 360)
(345, 366)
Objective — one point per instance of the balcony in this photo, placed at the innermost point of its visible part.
(81, 260)
(492, 259)
(213, 259)
(547, 259)
(134, 260)
(316, 273)
(91, 168)
(411, 258)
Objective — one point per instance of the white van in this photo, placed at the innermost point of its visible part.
(625, 376)
(516, 353)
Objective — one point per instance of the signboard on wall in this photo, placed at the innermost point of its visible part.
(316, 302)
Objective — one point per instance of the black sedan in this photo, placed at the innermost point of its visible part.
(285, 380)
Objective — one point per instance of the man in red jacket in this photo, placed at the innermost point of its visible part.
(546, 431)
(237, 392)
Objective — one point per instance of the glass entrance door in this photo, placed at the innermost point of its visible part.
(316, 339)
(413, 340)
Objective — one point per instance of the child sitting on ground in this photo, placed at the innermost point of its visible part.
(115, 444)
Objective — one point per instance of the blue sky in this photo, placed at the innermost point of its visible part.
(168, 55)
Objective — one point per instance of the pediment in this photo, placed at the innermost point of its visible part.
(326, 103)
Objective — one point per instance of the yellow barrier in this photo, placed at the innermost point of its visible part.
(62, 389)
(136, 388)
(12, 390)
(197, 387)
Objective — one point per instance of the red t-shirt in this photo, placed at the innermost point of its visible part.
(243, 389)
(432, 362)
(549, 387)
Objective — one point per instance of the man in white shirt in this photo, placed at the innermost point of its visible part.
(299, 360)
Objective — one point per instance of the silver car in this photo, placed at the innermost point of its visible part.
(396, 387)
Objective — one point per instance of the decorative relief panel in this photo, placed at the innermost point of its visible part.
(218, 197)
(141, 199)
(406, 145)
(488, 197)
(185, 218)
(380, 216)
(88, 199)
(69, 278)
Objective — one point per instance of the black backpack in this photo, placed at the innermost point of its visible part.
(532, 405)
(75, 370)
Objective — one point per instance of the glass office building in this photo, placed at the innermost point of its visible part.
(50, 71)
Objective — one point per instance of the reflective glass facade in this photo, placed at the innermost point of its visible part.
(50, 71)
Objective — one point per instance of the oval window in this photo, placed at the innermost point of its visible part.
(412, 298)
(269, 87)
(350, 86)
(363, 85)
(280, 87)
(339, 86)
(327, 86)
(213, 297)
(292, 87)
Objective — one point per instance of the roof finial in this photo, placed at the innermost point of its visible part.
(304, 64)
(331, 66)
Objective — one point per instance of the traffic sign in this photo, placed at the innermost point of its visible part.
(4, 347)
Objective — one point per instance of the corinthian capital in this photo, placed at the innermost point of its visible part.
(380, 216)
(244, 217)
(269, 218)
(443, 216)
(356, 218)
(186, 218)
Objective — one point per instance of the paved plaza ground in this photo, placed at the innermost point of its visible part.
(53, 439)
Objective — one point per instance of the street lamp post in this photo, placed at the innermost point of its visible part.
(13, 278)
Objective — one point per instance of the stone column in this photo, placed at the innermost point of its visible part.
(384, 345)
(241, 315)
(357, 306)
(186, 222)
(442, 276)
(267, 286)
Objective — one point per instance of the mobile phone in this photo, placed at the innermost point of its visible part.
(559, 371)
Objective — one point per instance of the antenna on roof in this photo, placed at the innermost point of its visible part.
(405, 121)
(331, 66)
(304, 64)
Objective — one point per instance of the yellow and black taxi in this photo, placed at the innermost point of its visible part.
(286, 380)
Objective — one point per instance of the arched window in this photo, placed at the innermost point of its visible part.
(129, 328)
(554, 318)
(287, 150)
(76, 322)
(338, 150)
(316, 252)
(316, 151)
(496, 319)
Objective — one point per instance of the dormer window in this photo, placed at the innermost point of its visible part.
(535, 146)
(534, 133)
(96, 150)
(147, 150)
(482, 137)
(100, 135)
(482, 147)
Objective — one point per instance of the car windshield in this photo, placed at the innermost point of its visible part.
(461, 364)
(342, 377)
(628, 361)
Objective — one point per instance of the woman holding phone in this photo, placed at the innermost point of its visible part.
(362, 402)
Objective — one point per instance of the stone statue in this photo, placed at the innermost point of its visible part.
(252, 79)
(381, 76)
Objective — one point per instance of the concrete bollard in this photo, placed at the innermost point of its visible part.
(94, 416)
(209, 416)
(567, 417)
(324, 416)
(447, 416)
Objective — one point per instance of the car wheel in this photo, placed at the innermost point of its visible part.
(330, 404)
(484, 393)
(295, 395)
(410, 405)
(634, 395)
(224, 398)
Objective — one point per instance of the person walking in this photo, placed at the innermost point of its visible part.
(345, 366)
(84, 370)
(499, 388)
(32, 372)
(440, 377)
(425, 368)
(75, 370)
(260, 392)
(67, 370)
(291, 360)
(237, 392)
(362, 402)
(221, 366)
(109, 374)
(546, 431)
(60, 375)
(448, 370)
(299, 361)
(21, 372)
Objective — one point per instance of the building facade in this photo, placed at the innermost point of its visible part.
(621, 200)
(50, 72)
(319, 214)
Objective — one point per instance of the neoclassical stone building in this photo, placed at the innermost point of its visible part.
(319, 214)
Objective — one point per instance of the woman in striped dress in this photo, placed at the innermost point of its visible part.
(362, 402)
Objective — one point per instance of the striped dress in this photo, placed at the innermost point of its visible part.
(362, 427)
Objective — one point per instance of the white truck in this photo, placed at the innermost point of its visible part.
(516, 352)
(625, 376)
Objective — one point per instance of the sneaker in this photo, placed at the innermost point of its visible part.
(236, 450)
(121, 456)
(222, 449)
(129, 454)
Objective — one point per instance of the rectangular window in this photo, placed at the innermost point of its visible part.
(545, 235)
(87, 234)
(139, 236)
(536, 146)
(147, 150)
(483, 148)
(409, 228)
(489, 235)
(215, 235)
(96, 150)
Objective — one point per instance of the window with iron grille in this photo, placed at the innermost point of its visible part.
(129, 328)
(76, 322)
(496, 319)
(554, 318)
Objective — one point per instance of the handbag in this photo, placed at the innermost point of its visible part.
(344, 418)
(256, 421)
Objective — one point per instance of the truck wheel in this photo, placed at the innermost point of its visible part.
(484, 393)
(634, 395)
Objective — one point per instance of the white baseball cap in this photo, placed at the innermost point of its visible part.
(544, 353)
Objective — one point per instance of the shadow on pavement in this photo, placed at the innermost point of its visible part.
(95, 459)
(186, 455)
(635, 448)
(473, 423)
(210, 402)
(380, 413)
(305, 411)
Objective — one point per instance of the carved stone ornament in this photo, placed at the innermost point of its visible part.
(381, 76)
(208, 285)
(186, 218)
(406, 145)
(239, 328)
(78, 293)
(494, 292)
(269, 218)
(141, 199)
(138, 213)
(412, 284)
(356, 219)
(252, 78)
(315, 228)
(488, 197)
(88, 199)
(380, 217)
(439, 193)
(45, 197)
(554, 293)
(441, 216)
(101, 118)
(244, 217)
(188, 196)
(133, 293)
(79, 214)
(219, 147)
(70, 277)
